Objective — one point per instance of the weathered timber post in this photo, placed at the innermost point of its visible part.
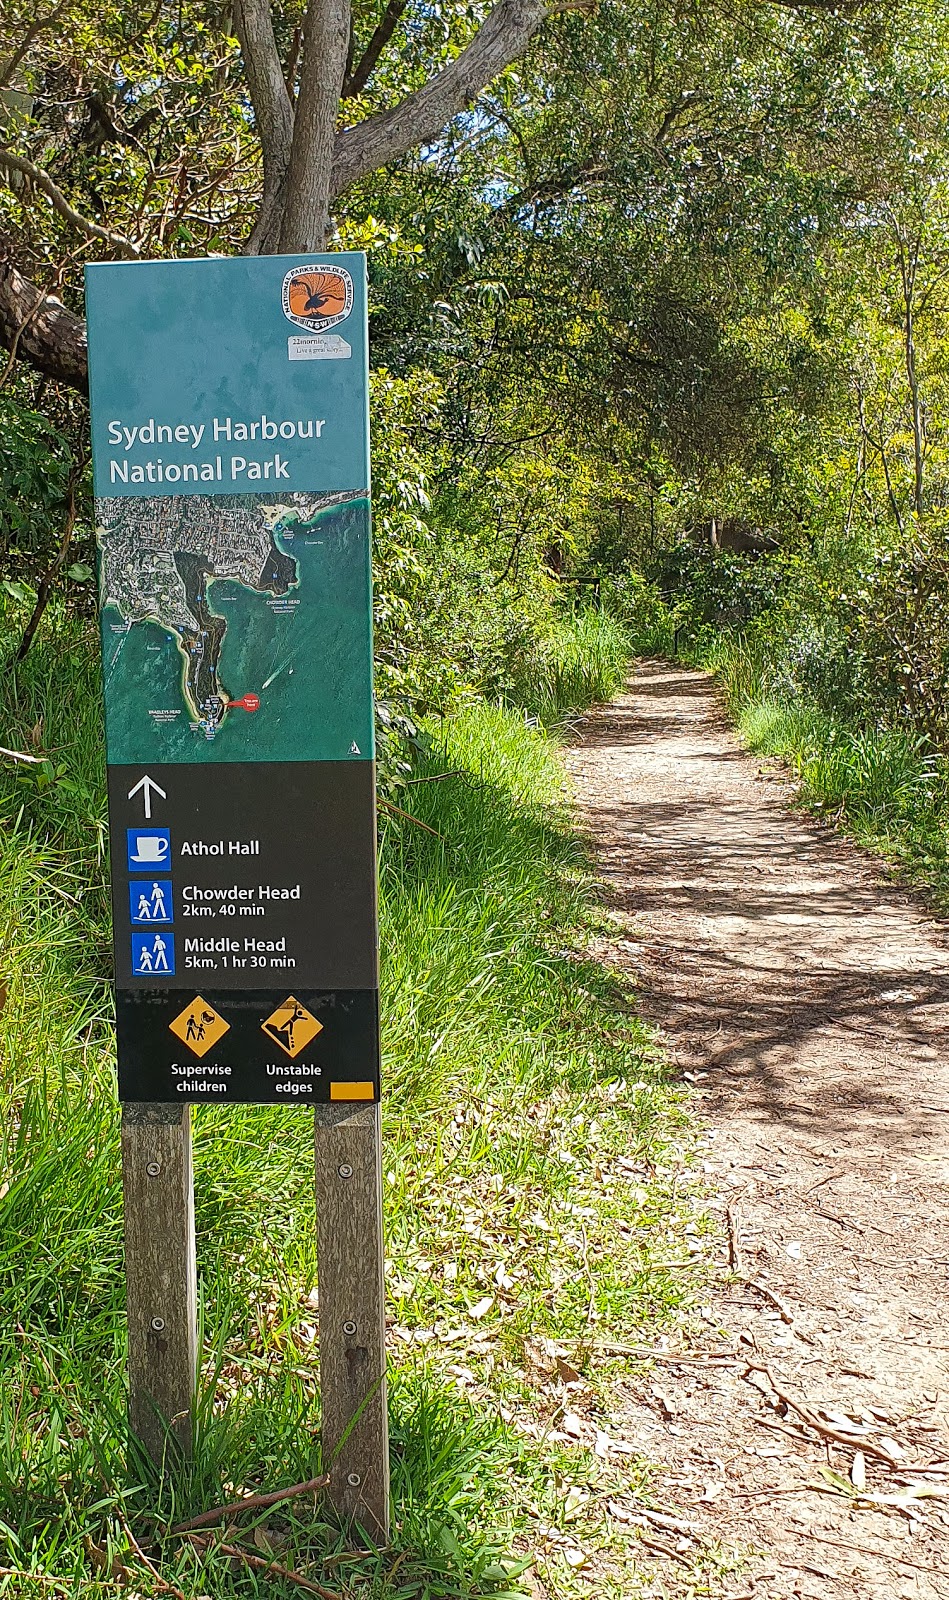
(160, 1274)
(352, 1314)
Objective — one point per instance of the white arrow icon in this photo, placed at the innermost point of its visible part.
(148, 787)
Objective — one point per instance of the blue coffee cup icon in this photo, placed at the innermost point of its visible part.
(148, 848)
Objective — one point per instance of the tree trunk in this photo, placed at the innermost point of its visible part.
(306, 206)
(38, 328)
(274, 114)
(916, 406)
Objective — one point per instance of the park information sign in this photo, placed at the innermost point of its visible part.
(231, 462)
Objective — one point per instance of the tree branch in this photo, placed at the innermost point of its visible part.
(39, 328)
(306, 205)
(685, 100)
(32, 33)
(421, 116)
(272, 111)
(43, 181)
(355, 82)
(555, 187)
(49, 577)
(843, 7)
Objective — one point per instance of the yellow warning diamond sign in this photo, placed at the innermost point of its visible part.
(199, 1026)
(292, 1027)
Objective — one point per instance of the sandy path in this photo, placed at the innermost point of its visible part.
(808, 1000)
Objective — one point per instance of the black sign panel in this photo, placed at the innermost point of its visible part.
(246, 960)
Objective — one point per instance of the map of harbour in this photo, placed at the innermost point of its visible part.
(236, 627)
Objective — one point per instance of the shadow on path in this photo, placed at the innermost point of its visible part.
(772, 954)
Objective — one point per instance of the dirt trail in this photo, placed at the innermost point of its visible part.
(807, 999)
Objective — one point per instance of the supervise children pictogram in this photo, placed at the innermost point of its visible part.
(199, 1026)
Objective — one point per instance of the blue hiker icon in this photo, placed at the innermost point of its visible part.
(150, 901)
(153, 955)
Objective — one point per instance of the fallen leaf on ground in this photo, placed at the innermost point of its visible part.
(666, 1405)
(575, 1501)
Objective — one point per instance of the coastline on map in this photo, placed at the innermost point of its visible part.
(296, 640)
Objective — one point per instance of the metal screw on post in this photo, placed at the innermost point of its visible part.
(345, 1171)
(349, 1327)
(153, 1169)
(353, 1479)
(158, 1324)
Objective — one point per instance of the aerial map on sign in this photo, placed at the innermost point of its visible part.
(236, 626)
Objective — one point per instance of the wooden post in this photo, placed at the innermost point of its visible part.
(352, 1314)
(160, 1273)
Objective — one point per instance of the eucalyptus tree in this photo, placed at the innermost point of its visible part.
(173, 112)
(211, 125)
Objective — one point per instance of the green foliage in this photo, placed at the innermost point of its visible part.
(36, 469)
(800, 689)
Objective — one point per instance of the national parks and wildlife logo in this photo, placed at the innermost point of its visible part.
(317, 297)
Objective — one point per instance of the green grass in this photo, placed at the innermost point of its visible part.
(536, 1179)
(882, 785)
(582, 662)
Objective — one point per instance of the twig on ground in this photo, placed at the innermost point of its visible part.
(857, 1027)
(436, 777)
(769, 1294)
(830, 1178)
(773, 1494)
(667, 1523)
(164, 1583)
(779, 1306)
(865, 1550)
(18, 755)
(206, 1542)
(781, 1427)
(391, 806)
(842, 1222)
(43, 1579)
(804, 1566)
(661, 1549)
(734, 1240)
(252, 1502)
(825, 1429)
(728, 1358)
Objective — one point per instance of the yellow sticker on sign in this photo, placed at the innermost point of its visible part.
(292, 1027)
(199, 1026)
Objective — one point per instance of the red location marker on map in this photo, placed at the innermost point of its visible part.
(247, 702)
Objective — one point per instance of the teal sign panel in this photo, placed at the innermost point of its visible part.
(231, 467)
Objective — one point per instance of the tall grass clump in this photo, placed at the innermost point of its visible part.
(526, 1123)
(582, 661)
